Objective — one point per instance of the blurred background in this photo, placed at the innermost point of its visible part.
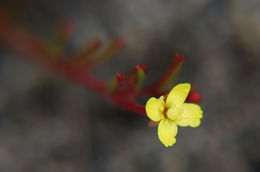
(50, 124)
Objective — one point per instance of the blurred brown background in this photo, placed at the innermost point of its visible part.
(50, 124)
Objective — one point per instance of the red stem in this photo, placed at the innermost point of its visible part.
(177, 60)
(30, 47)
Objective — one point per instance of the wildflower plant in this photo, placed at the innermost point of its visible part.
(122, 89)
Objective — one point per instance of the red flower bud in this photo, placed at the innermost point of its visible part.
(194, 97)
(118, 76)
(144, 67)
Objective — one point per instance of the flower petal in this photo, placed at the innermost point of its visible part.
(178, 95)
(174, 113)
(154, 108)
(167, 131)
(191, 116)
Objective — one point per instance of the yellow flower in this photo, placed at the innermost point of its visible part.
(171, 111)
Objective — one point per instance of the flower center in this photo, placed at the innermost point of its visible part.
(165, 110)
(172, 113)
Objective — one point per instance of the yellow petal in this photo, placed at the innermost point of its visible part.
(178, 95)
(191, 115)
(174, 113)
(167, 131)
(154, 108)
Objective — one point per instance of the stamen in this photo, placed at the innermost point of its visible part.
(162, 108)
(181, 110)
